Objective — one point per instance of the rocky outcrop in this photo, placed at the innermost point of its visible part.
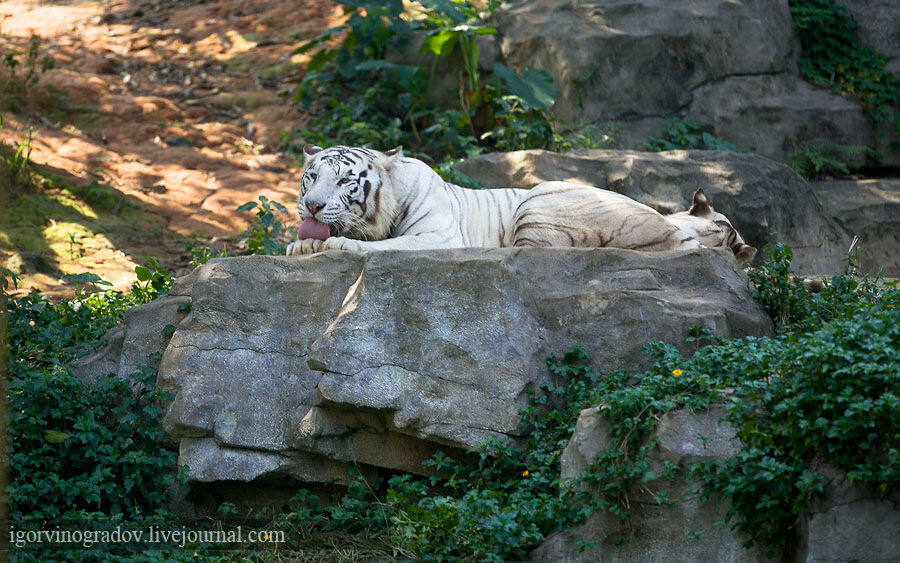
(292, 367)
(640, 58)
(758, 195)
(681, 531)
(849, 522)
(728, 65)
(869, 209)
(879, 27)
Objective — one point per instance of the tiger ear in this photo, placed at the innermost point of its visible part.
(700, 206)
(745, 253)
(392, 155)
(311, 150)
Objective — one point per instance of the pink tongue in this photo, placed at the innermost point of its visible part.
(311, 228)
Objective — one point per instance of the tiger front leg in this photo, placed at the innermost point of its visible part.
(313, 245)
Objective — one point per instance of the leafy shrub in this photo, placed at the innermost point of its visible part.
(15, 163)
(794, 308)
(820, 158)
(679, 134)
(15, 85)
(376, 102)
(804, 399)
(84, 454)
(263, 236)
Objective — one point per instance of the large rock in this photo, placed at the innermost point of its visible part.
(292, 367)
(728, 65)
(869, 209)
(638, 58)
(848, 523)
(760, 196)
(684, 530)
(879, 27)
(775, 116)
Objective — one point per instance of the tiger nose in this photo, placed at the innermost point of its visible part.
(314, 206)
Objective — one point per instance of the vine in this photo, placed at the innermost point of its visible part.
(833, 56)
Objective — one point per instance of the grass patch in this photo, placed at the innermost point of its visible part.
(59, 226)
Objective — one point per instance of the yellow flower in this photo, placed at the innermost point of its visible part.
(676, 372)
(525, 473)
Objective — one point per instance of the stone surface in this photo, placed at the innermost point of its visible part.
(137, 341)
(682, 531)
(292, 367)
(879, 27)
(639, 58)
(728, 65)
(758, 195)
(774, 116)
(869, 209)
(850, 522)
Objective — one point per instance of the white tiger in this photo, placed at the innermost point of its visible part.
(359, 199)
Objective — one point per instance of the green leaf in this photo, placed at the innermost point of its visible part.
(535, 88)
(56, 437)
(143, 273)
(86, 277)
(442, 42)
(154, 263)
(168, 330)
(246, 207)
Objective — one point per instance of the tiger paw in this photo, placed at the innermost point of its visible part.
(304, 246)
(341, 243)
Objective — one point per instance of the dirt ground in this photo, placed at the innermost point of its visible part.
(158, 119)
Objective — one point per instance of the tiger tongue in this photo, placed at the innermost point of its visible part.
(312, 228)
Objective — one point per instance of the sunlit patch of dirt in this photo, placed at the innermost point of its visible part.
(168, 114)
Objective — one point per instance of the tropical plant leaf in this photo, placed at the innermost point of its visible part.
(535, 88)
(86, 277)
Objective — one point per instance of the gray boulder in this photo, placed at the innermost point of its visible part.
(640, 58)
(849, 523)
(775, 116)
(869, 209)
(291, 367)
(879, 27)
(760, 196)
(728, 65)
(681, 531)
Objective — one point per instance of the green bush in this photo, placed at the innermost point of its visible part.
(379, 103)
(84, 454)
(264, 235)
(819, 158)
(679, 134)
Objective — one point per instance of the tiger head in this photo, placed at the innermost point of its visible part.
(346, 191)
(712, 229)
